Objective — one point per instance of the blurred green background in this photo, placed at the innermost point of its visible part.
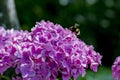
(99, 21)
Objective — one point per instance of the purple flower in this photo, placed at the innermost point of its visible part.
(46, 52)
(27, 70)
(116, 69)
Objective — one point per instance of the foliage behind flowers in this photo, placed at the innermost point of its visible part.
(47, 52)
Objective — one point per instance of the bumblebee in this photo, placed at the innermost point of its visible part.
(75, 29)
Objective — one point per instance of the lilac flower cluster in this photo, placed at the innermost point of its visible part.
(46, 53)
(116, 69)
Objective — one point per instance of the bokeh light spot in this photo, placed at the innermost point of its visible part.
(80, 18)
(63, 2)
(91, 2)
(110, 13)
(104, 23)
(109, 3)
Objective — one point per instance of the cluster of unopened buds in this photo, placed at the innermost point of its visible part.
(48, 52)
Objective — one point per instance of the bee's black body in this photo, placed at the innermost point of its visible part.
(75, 29)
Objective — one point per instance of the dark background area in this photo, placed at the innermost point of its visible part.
(99, 21)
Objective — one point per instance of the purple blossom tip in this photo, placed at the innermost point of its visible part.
(116, 69)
